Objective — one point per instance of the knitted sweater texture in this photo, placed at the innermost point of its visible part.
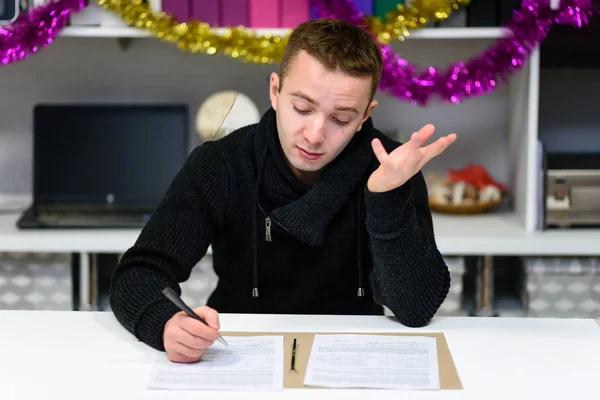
(280, 246)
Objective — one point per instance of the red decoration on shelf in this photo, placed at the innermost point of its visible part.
(476, 175)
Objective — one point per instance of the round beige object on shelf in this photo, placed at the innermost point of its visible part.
(224, 112)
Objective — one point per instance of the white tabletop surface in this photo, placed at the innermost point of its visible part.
(88, 355)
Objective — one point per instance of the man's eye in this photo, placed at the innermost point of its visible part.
(301, 111)
(337, 121)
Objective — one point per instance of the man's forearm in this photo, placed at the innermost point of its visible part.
(138, 305)
(409, 274)
(173, 241)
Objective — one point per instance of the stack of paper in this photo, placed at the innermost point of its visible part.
(248, 363)
(373, 361)
(252, 363)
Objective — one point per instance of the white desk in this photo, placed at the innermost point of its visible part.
(88, 355)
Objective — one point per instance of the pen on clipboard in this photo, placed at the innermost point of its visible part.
(293, 366)
(175, 299)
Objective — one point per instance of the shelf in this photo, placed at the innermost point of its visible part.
(503, 234)
(459, 33)
(496, 234)
(104, 32)
(427, 33)
(63, 240)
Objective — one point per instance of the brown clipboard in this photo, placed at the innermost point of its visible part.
(449, 378)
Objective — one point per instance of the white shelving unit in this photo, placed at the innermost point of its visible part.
(478, 235)
(134, 75)
(127, 64)
(104, 32)
(429, 33)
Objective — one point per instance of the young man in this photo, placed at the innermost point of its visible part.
(311, 211)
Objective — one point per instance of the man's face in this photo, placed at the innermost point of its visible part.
(318, 113)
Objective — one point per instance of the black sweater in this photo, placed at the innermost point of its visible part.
(282, 247)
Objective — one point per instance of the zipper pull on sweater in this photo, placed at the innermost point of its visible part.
(268, 229)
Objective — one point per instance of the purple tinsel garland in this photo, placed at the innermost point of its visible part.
(35, 29)
(479, 75)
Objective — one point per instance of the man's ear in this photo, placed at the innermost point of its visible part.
(274, 89)
(368, 112)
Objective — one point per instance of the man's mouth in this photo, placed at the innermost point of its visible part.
(308, 155)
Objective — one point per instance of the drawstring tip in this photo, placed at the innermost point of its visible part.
(361, 292)
(255, 292)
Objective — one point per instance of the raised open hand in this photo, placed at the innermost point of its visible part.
(405, 161)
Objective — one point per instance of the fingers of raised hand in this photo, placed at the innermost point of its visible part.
(413, 154)
(424, 134)
(436, 148)
(379, 151)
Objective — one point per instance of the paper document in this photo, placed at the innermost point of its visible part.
(373, 361)
(248, 363)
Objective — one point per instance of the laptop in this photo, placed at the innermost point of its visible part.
(103, 166)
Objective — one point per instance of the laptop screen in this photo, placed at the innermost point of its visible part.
(107, 154)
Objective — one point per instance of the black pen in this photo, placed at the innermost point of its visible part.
(171, 295)
(293, 368)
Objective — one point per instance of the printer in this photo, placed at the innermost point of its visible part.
(572, 190)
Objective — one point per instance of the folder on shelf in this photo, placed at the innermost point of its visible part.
(208, 11)
(264, 14)
(293, 13)
(234, 12)
(180, 9)
(449, 378)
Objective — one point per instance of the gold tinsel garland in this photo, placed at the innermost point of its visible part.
(405, 18)
(199, 37)
(246, 44)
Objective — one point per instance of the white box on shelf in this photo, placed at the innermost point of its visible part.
(90, 15)
(562, 287)
(36, 281)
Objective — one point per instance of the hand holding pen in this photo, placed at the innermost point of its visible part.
(189, 333)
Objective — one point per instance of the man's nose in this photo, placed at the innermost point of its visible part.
(314, 132)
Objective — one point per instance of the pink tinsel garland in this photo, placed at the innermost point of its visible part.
(36, 28)
(479, 75)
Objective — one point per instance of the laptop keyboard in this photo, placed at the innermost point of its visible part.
(92, 219)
